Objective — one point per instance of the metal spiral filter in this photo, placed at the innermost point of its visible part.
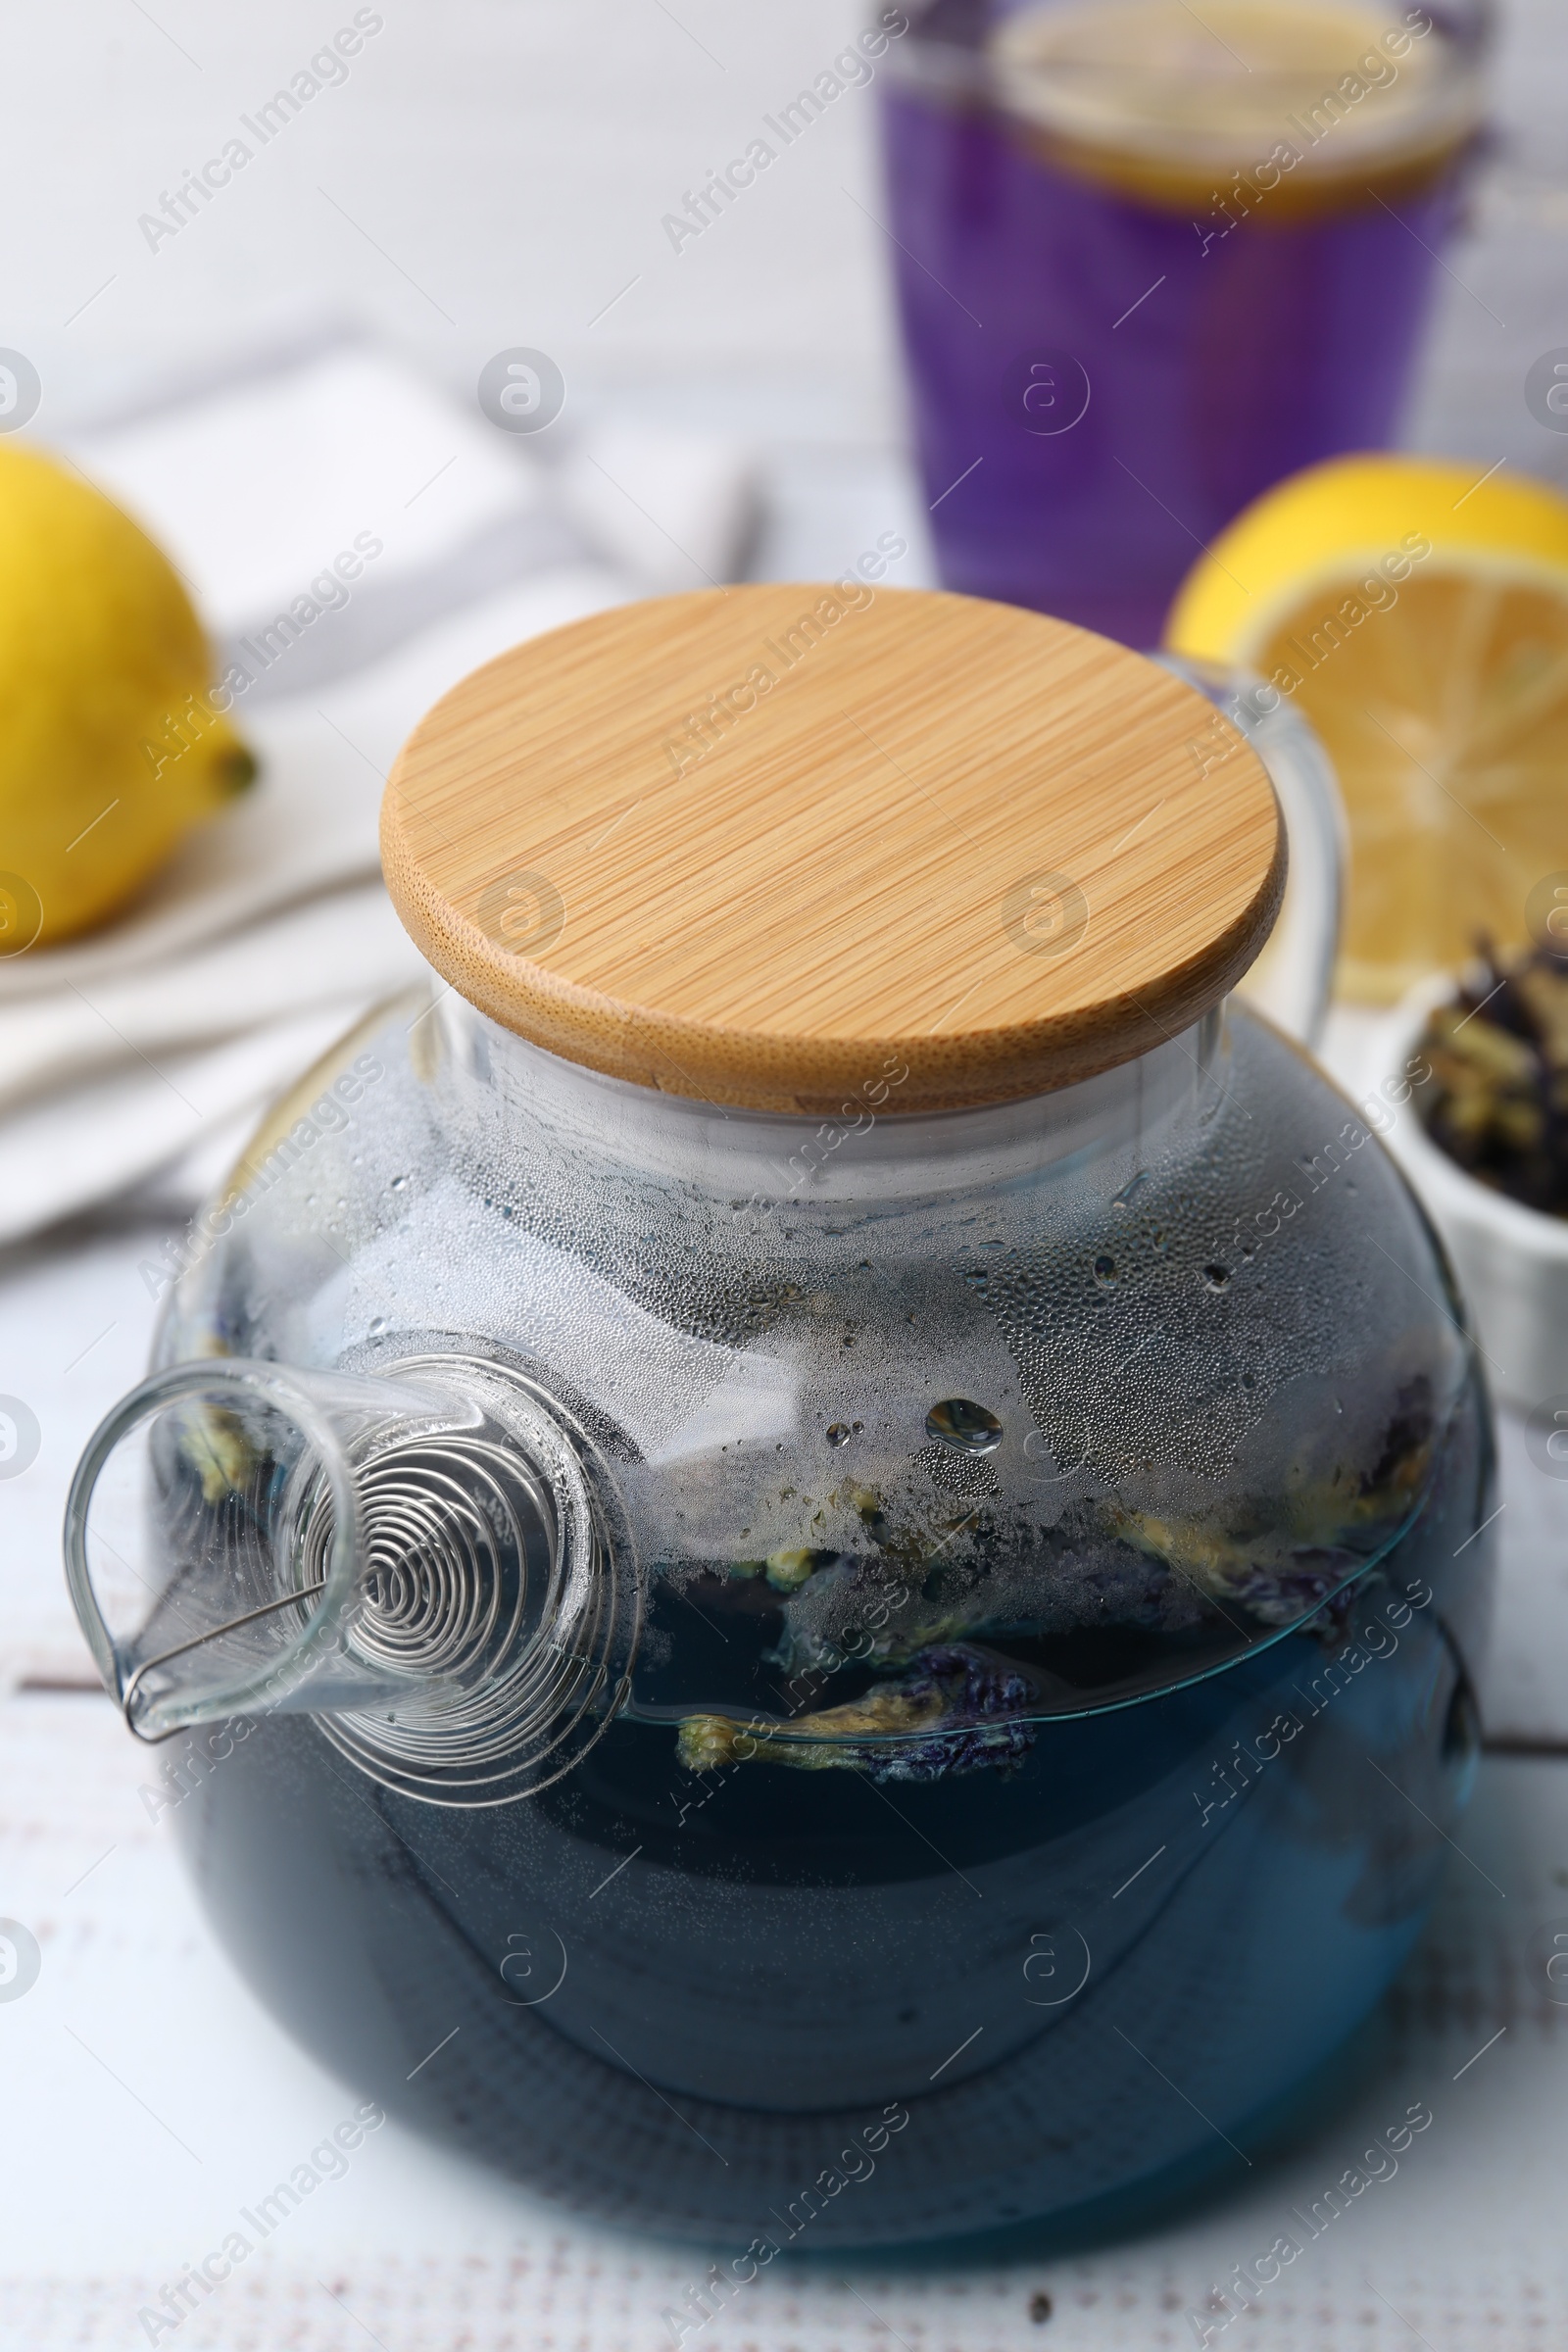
(491, 1589)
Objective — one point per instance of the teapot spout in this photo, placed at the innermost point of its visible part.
(428, 1559)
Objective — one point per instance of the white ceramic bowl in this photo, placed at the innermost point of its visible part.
(1512, 1262)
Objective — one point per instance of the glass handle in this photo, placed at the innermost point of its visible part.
(1293, 980)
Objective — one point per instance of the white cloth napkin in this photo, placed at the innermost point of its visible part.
(141, 1054)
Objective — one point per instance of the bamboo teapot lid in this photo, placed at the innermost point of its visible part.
(747, 845)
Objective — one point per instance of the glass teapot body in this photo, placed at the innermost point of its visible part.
(994, 1676)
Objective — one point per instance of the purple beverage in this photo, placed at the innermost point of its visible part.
(1149, 259)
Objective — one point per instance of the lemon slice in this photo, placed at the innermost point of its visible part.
(1324, 100)
(1418, 616)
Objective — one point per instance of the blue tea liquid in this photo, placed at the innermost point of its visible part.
(1124, 314)
(801, 2010)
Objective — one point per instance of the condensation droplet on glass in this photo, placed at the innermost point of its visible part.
(1216, 1277)
(839, 1434)
(1129, 1190)
(963, 1427)
(1105, 1271)
(397, 1184)
(378, 1324)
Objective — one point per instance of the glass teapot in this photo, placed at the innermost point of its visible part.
(811, 1544)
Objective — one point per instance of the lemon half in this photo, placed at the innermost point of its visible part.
(1418, 616)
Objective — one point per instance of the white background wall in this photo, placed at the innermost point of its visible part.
(512, 158)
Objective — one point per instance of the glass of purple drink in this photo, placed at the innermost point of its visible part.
(1150, 259)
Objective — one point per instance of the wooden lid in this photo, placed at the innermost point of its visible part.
(758, 843)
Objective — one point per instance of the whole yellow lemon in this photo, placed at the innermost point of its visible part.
(111, 750)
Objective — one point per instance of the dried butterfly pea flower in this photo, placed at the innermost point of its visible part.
(1497, 1099)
